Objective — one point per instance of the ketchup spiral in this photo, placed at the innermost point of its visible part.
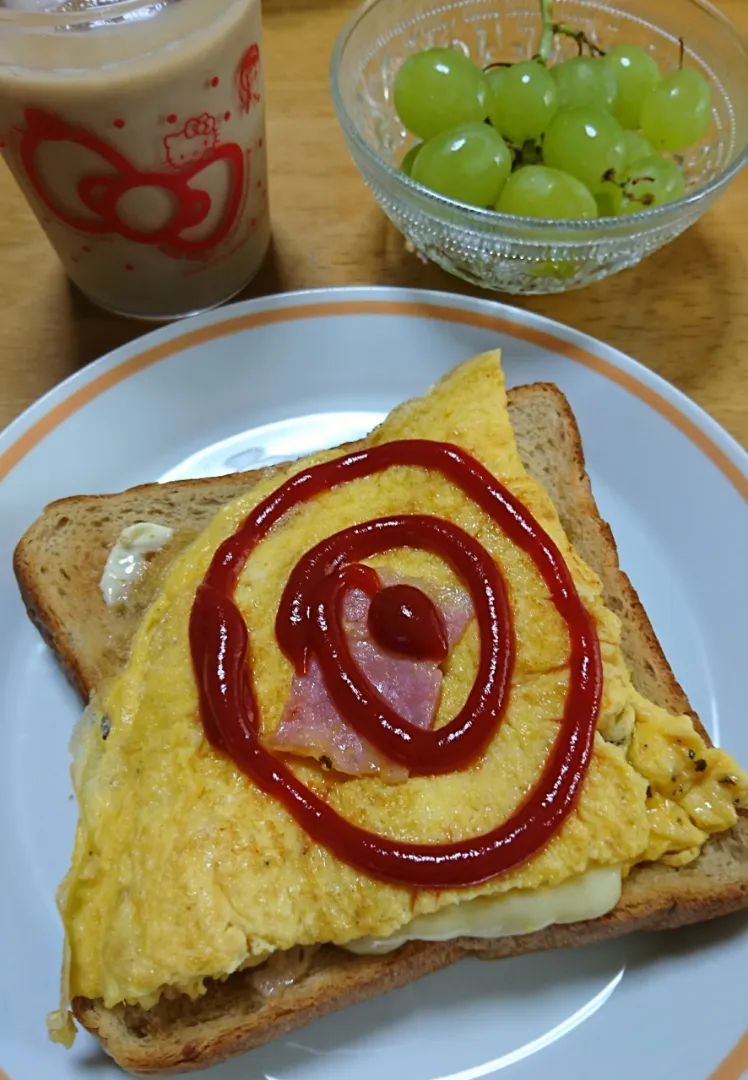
(309, 621)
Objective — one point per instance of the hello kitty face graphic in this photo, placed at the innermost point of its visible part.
(249, 77)
(103, 187)
(197, 139)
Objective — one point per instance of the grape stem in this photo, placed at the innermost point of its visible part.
(530, 153)
(551, 29)
(581, 39)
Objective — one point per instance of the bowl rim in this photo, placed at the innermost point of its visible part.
(483, 219)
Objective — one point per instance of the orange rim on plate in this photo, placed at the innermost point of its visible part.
(544, 340)
(735, 1064)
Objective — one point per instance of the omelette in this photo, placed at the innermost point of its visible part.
(184, 870)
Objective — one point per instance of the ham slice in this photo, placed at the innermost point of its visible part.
(311, 725)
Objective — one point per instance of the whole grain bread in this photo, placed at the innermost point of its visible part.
(59, 563)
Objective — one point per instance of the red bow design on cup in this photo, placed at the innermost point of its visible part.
(101, 193)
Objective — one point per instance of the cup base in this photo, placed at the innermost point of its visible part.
(175, 316)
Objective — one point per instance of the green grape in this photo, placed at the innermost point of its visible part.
(522, 100)
(678, 112)
(637, 147)
(607, 201)
(561, 271)
(588, 143)
(655, 182)
(469, 164)
(637, 74)
(585, 80)
(439, 89)
(539, 192)
(406, 165)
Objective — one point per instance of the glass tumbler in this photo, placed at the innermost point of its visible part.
(136, 131)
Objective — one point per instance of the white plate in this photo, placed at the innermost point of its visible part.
(268, 379)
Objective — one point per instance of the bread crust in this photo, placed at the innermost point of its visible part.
(232, 1017)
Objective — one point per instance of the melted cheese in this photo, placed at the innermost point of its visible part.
(521, 911)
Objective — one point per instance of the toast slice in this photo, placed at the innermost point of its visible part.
(59, 563)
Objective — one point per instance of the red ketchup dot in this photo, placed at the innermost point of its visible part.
(129, 266)
(406, 621)
(119, 123)
(171, 118)
(214, 81)
(227, 116)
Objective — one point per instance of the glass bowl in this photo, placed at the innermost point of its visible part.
(517, 254)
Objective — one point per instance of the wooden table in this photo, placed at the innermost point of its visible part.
(683, 312)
